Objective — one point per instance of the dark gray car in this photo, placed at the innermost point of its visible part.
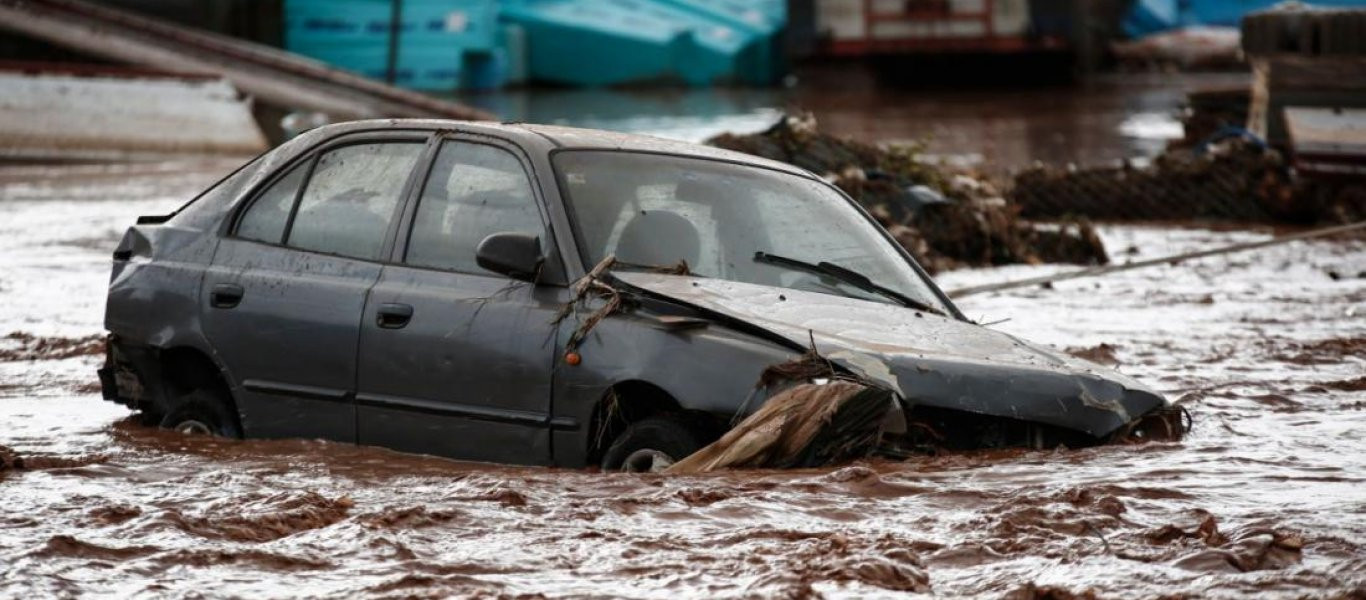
(410, 284)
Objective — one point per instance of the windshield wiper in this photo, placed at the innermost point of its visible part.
(846, 275)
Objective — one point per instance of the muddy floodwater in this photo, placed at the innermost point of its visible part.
(993, 128)
(1267, 495)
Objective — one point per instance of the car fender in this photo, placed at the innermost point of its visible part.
(702, 365)
(154, 289)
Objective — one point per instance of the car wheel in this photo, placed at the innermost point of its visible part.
(201, 412)
(652, 445)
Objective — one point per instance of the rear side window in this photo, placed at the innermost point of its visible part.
(473, 191)
(266, 219)
(350, 198)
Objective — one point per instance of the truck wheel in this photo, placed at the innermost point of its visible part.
(651, 445)
(202, 412)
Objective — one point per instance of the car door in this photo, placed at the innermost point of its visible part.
(456, 360)
(283, 300)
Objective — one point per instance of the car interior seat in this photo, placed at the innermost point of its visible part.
(659, 238)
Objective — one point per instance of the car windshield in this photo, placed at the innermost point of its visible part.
(732, 222)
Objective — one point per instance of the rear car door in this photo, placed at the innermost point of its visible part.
(456, 360)
(282, 302)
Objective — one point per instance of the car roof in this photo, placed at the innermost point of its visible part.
(563, 137)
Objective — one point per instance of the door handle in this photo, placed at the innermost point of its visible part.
(393, 315)
(226, 295)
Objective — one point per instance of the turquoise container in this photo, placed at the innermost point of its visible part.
(611, 42)
(446, 45)
(715, 50)
(763, 19)
(368, 59)
(512, 42)
(485, 70)
(434, 37)
(593, 43)
(468, 24)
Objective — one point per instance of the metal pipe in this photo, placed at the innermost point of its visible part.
(1175, 258)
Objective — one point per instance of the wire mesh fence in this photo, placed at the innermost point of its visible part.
(1236, 181)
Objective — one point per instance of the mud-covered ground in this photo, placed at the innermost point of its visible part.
(1267, 495)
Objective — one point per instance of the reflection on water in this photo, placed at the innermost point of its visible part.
(1100, 122)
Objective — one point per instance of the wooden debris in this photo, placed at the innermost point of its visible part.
(806, 425)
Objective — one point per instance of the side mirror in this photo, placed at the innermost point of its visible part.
(517, 255)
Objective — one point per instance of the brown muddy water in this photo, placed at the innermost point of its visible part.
(1267, 495)
(993, 128)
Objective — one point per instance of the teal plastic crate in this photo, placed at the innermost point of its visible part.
(576, 42)
(434, 37)
(593, 43)
(606, 42)
(715, 50)
(512, 42)
(763, 63)
(471, 24)
(420, 66)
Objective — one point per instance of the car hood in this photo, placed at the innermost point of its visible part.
(929, 359)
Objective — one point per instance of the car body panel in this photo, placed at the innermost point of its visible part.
(469, 375)
(154, 290)
(712, 369)
(290, 344)
(935, 360)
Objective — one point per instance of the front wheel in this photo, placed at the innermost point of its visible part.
(201, 412)
(652, 445)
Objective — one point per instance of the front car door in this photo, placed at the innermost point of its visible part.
(456, 360)
(283, 300)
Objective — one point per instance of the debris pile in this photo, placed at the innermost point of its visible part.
(944, 219)
(1235, 180)
(1211, 111)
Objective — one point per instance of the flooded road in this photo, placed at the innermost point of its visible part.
(1112, 118)
(1266, 496)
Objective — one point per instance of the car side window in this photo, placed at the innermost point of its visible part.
(349, 200)
(265, 220)
(473, 191)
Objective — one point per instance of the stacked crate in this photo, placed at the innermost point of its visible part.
(1303, 57)
(445, 45)
(442, 45)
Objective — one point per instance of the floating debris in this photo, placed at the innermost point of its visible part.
(807, 425)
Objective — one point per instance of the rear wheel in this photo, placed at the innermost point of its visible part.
(202, 412)
(652, 445)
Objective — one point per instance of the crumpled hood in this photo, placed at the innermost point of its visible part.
(930, 359)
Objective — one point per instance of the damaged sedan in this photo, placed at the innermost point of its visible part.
(551, 296)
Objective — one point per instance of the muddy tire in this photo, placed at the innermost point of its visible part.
(202, 412)
(652, 444)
